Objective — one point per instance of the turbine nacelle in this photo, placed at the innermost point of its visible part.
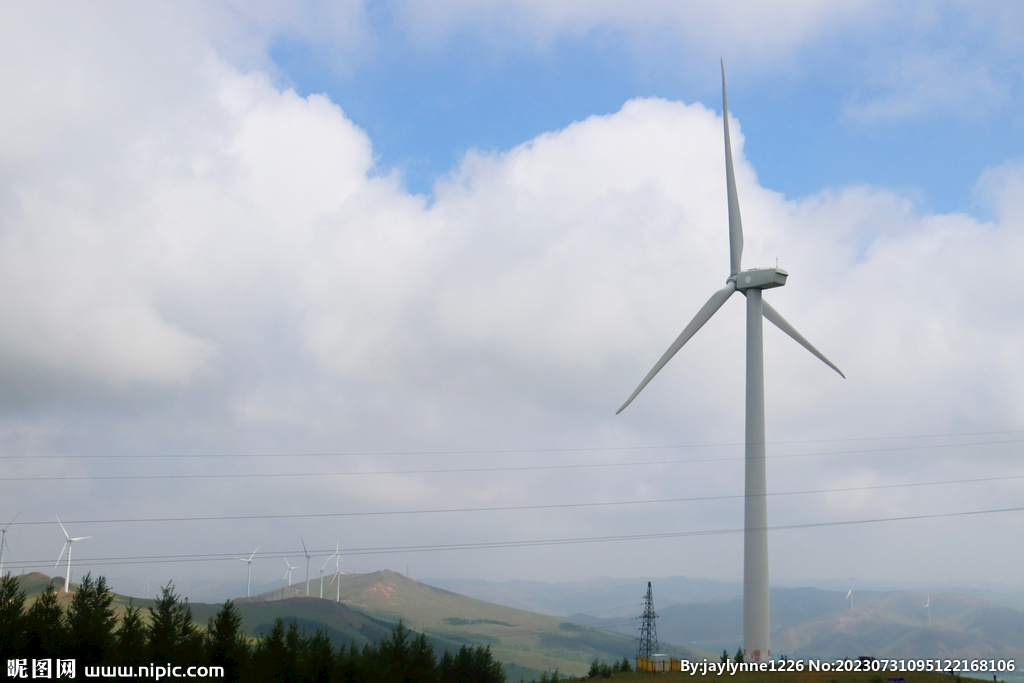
(759, 278)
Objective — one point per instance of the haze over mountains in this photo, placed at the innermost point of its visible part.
(806, 621)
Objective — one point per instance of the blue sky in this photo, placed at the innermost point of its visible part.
(424, 106)
(312, 236)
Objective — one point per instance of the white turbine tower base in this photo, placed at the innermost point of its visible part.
(67, 546)
(756, 622)
(248, 574)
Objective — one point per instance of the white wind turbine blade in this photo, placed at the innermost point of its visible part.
(703, 315)
(773, 316)
(253, 554)
(849, 593)
(735, 224)
(80, 538)
(63, 529)
(12, 521)
(66, 544)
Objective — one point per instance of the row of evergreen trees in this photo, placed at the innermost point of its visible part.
(89, 632)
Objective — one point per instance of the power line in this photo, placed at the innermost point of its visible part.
(549, 506)
(462, 470)
(512, 451)
(383, 550)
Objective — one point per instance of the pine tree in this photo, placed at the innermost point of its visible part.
(173, 636)
(130, 639)
(12, 618)
(226, 645)
(45, 626)
(91, 621)
(422, 662)
(274, 659)
(317, 659)
(393, 656)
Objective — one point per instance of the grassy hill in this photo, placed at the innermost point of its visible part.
(372, 604)
(525, 641)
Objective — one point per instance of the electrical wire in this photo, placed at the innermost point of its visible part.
(463, 470)
(513, 451)
(487, 545)
(548, 506)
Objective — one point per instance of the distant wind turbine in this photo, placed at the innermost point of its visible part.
(322, 568)
(3, 542)
(308, 557)
(928, 606)
(288, 572)
(337, 570)
(67, 546)
(849, 596)
(756, 623)
(248, 573)
(146, 588)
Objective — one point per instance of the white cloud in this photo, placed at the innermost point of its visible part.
(234, 244)
(752, 28)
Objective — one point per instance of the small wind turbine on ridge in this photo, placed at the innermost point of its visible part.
(248, 573)
(322, 568)
(308, 557)
(3, 542)
(337, 569)
(67, 546)
(751, 282)
(288, 572)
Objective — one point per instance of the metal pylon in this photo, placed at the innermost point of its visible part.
(647, 641)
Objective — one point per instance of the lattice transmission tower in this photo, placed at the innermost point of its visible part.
(647, 641)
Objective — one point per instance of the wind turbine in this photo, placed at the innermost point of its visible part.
(308, 557)
(146, 588)
(849, 596)
(3, 542)
(288, 572)
(337, 569)
(67, 546)
(756, 624)
(248, 574)
(324, 566)
(928, 606)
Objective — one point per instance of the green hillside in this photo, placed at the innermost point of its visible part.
(520, 639)
(372, 604)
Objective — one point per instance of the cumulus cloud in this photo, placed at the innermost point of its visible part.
(234, 244)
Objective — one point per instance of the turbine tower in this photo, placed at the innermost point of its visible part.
(308, 557)
(67, 546)
(756, 625)
(248, 574)
(288, 572)
(321, 568)
(3, 542)
(928, 606)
